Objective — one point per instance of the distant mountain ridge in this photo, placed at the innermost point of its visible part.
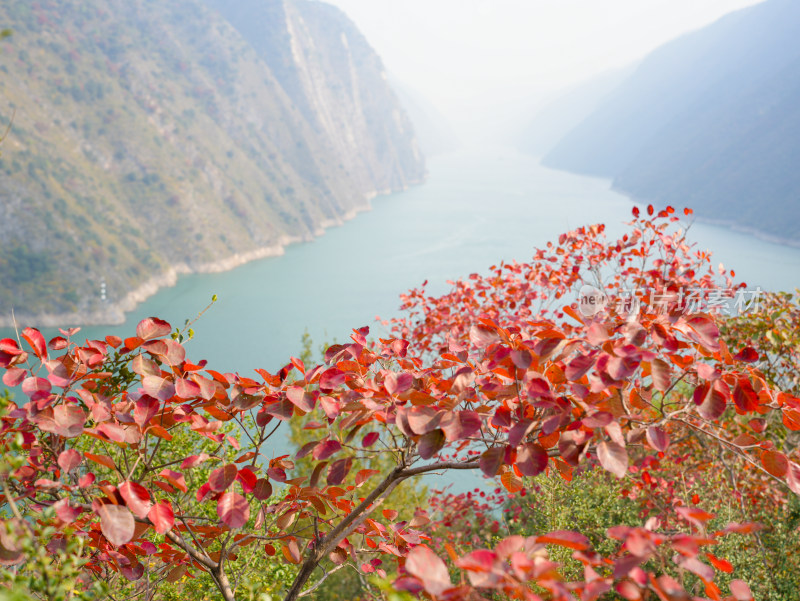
(154, 138)
(571, 106)
(710, 120)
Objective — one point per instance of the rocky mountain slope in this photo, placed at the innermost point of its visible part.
(711, 120)
(151, 138)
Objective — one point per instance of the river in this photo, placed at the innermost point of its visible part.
(478, 207)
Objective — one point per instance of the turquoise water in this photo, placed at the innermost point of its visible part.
(477, 208)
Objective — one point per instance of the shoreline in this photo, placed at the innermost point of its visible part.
(736, 227)
(724, 223)
(115, 314)
(642, 204)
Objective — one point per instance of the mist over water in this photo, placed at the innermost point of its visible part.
(479, 207)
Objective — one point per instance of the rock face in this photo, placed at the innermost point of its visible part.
(710, 121)
(152, 138)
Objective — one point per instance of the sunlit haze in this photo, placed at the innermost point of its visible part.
(482, 62)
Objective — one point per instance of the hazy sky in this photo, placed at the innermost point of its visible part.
(478, 60)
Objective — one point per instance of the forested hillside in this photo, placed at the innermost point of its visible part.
(152, 138)
(711, 119)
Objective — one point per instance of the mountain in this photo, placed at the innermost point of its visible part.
(434, 133)
(154, 138)
(560, 115)
(710, 120)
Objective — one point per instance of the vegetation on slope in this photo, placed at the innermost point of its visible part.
(148, 135)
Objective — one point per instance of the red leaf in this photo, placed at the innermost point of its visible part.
(695, 515)
(186, 389)
(65, 512)
(300, 399)
(10, 347)
(222, 477)
(58, 343)
(281, 410)
(723, 565)
(740, 590)
(36, 340)
(460, 425)
(331, 378)
(694, 565)
(775, 462)
(511, 481)
(482, 336)
(262, 489)
(153, 327)
(86, 480)
(705, 330)
(158, 387)
(565, 538)
(662, 374)
(145, 409)
(578, 367)
(397, 383)
(36, 388)
(747, 354)
(194, 461)
(143, 366)
(175, 478)
(101, 459)
(136, 498)
(522, 359)
(613, 457)
(744, 396)
(422, 420)
(113, 341)
(14, 376)
(657, 438)
(793, 478)
(116, 524)
(162, 517)
(298, 364)
(119, 433)
(291, 552)
(431, 443)
(132, 343)
(491, 460)
(68, 421)
(481, 561)
(247, 479)
(364, 475)
(531, 459)
(70, 459)
(370, 439)
(339, 470)
(325, 449)
(233, 509)
(428, 567)
(712, 402)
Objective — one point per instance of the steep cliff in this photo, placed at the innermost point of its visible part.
(151, 138)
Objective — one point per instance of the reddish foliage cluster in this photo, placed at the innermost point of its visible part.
(497, 375)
